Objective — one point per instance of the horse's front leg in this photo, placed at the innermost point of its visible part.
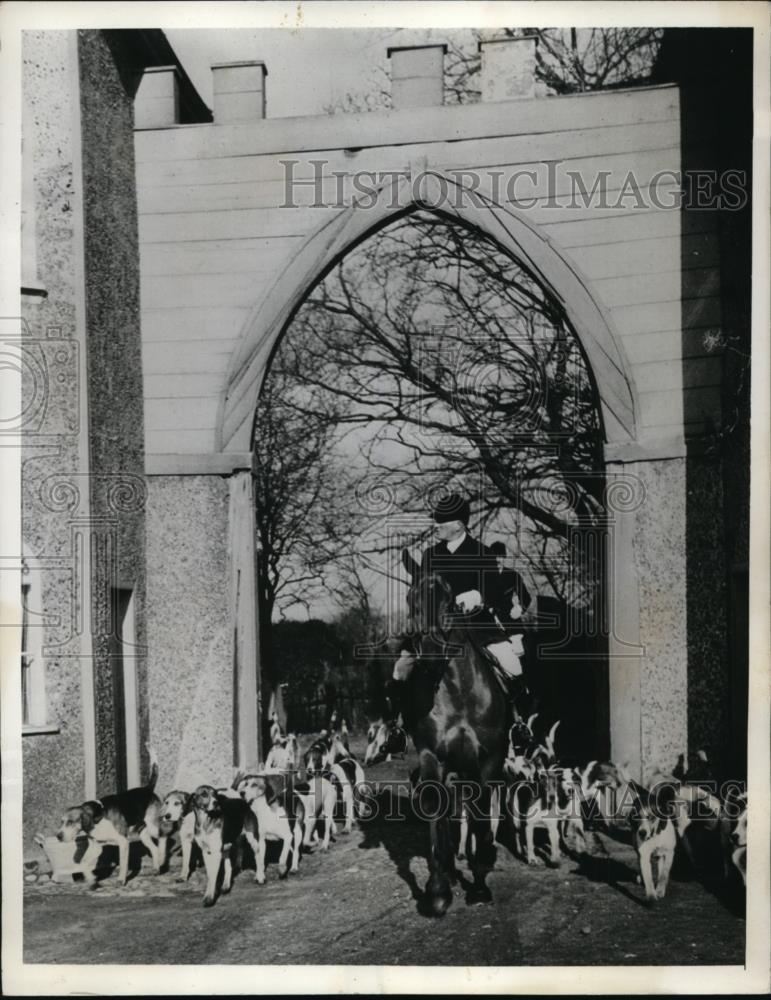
(433, 804)
(439, 887)
(483, 856)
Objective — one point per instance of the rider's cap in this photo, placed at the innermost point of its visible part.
(498, 549)
(451, 508)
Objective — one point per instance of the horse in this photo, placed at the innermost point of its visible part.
(457, 715)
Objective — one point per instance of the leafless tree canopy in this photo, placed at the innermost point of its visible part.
(300, 496)
(568, 61)
(429, 357)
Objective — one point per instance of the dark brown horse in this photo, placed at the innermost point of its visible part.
(457, 715)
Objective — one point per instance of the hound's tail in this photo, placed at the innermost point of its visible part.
(550, 742)
(153, 768)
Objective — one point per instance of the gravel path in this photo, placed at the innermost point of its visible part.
(357, 904)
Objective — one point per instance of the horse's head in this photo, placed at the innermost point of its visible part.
(428, 599)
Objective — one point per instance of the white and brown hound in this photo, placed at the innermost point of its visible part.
(283, 755)
(116, 820)
(220, 822)
(733, 834)
(384, 741)
(319, 799)
(327, 756)
(280, 815)
(177, 818)
(654, 835)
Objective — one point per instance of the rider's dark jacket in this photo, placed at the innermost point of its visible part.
(473, 566)
(470, 567)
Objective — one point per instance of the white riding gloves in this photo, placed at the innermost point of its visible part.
(470, 600)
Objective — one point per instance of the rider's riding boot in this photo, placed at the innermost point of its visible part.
(521, 700)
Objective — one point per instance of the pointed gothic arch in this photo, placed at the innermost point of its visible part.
(472, 207)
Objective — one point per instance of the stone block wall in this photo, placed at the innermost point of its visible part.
(114, 362)
(189, 630)
(660, 567)
(53, 752)
(83, 487)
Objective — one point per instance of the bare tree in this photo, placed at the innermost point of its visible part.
(299, 497)
(448, 362)
(572, 60)
(568, 61)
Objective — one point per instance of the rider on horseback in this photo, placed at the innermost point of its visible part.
(487, 596)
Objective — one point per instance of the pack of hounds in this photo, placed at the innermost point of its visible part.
(273, 804)
(270, 804)
(669, 811)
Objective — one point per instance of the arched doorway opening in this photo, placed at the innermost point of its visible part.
(428, 356)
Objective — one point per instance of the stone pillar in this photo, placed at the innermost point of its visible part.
(190, 629)
(625, 654)
(508, 68)
(647, 587)
(202, 625)
(238, 92)
(417, 76)
(243, 584)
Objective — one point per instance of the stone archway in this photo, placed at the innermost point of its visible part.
(441, 193)
(590, 321)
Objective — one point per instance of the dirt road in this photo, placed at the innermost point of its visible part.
(357, 904)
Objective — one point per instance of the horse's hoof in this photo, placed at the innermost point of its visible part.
(440, 905)
(479, 894)
(439, 895)
(283, 872)
(554, 862)
(259, 880)
(208, 900)
(533, 862)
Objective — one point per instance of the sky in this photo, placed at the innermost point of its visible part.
(308, 69)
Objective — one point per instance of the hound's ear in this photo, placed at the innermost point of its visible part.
(270, 792)
(187, 803)
(87, 817)
(409, 563)
(81, 846)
